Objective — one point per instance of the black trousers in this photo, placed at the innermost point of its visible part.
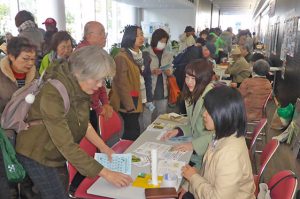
(94, 120)
(131, 125)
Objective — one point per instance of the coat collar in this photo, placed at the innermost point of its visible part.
(7, 71)
(198, 107)
(215, 144)
(128, 54)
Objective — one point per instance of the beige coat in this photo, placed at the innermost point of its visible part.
(226, 172)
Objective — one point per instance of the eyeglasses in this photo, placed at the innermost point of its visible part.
(27, 59)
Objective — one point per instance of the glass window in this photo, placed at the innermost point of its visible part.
(113, 15)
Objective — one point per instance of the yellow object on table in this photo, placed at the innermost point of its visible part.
(144, 180)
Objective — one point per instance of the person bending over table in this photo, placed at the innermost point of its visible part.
(44, 148)
(198, 76)
(226, 172)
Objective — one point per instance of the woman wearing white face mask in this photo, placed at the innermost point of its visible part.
(161, 68)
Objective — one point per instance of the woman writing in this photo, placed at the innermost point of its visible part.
(226, 172)
(198, 76)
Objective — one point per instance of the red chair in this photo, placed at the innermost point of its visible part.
(254, 136)
(283, 180)
(265, 157)
(108, 128)
(90, 149)
(257, 130)
(113, 127)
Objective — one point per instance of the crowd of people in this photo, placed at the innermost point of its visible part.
(217, 114)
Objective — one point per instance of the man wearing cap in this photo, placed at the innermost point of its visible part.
(51, 29)
(240, 68)
(187, 38)
(50, 24)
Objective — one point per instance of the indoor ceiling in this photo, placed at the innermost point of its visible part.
(234, 7)
(158, 3)
(228, 7)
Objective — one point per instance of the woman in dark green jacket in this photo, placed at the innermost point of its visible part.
(44, 148)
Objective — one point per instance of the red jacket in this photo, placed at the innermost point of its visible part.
(99, 98)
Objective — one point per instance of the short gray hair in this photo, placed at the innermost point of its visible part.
(261, 67)
(91, 62)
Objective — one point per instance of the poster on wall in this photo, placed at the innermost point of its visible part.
(149, 28)
(289, 38)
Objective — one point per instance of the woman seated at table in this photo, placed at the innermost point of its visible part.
(198, 76)
(226, 172)
(256, 90)
(44, 148)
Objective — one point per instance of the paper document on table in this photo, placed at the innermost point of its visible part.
(120, 162)
(164, 151)
(160, 126)
(180, 139)
(170, 166)
(174, 117)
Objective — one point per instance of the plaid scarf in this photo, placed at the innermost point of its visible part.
(26, 25)
(138, 58)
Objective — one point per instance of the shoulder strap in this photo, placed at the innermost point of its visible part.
(280, 180)
(62, 91)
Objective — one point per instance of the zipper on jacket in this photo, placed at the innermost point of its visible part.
(78, 100)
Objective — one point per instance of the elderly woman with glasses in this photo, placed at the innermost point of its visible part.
(44, 148)
(61, 48)
(16, 70)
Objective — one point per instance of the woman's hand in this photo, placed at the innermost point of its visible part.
(156, 71)
(181, 192)
(107, 111)
(169, 134)
(116, 178)
(108, 151)
(188, 172)
(168, 72)
(183, 147)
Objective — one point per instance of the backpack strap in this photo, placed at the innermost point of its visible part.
(280, 180)
(62, 91)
